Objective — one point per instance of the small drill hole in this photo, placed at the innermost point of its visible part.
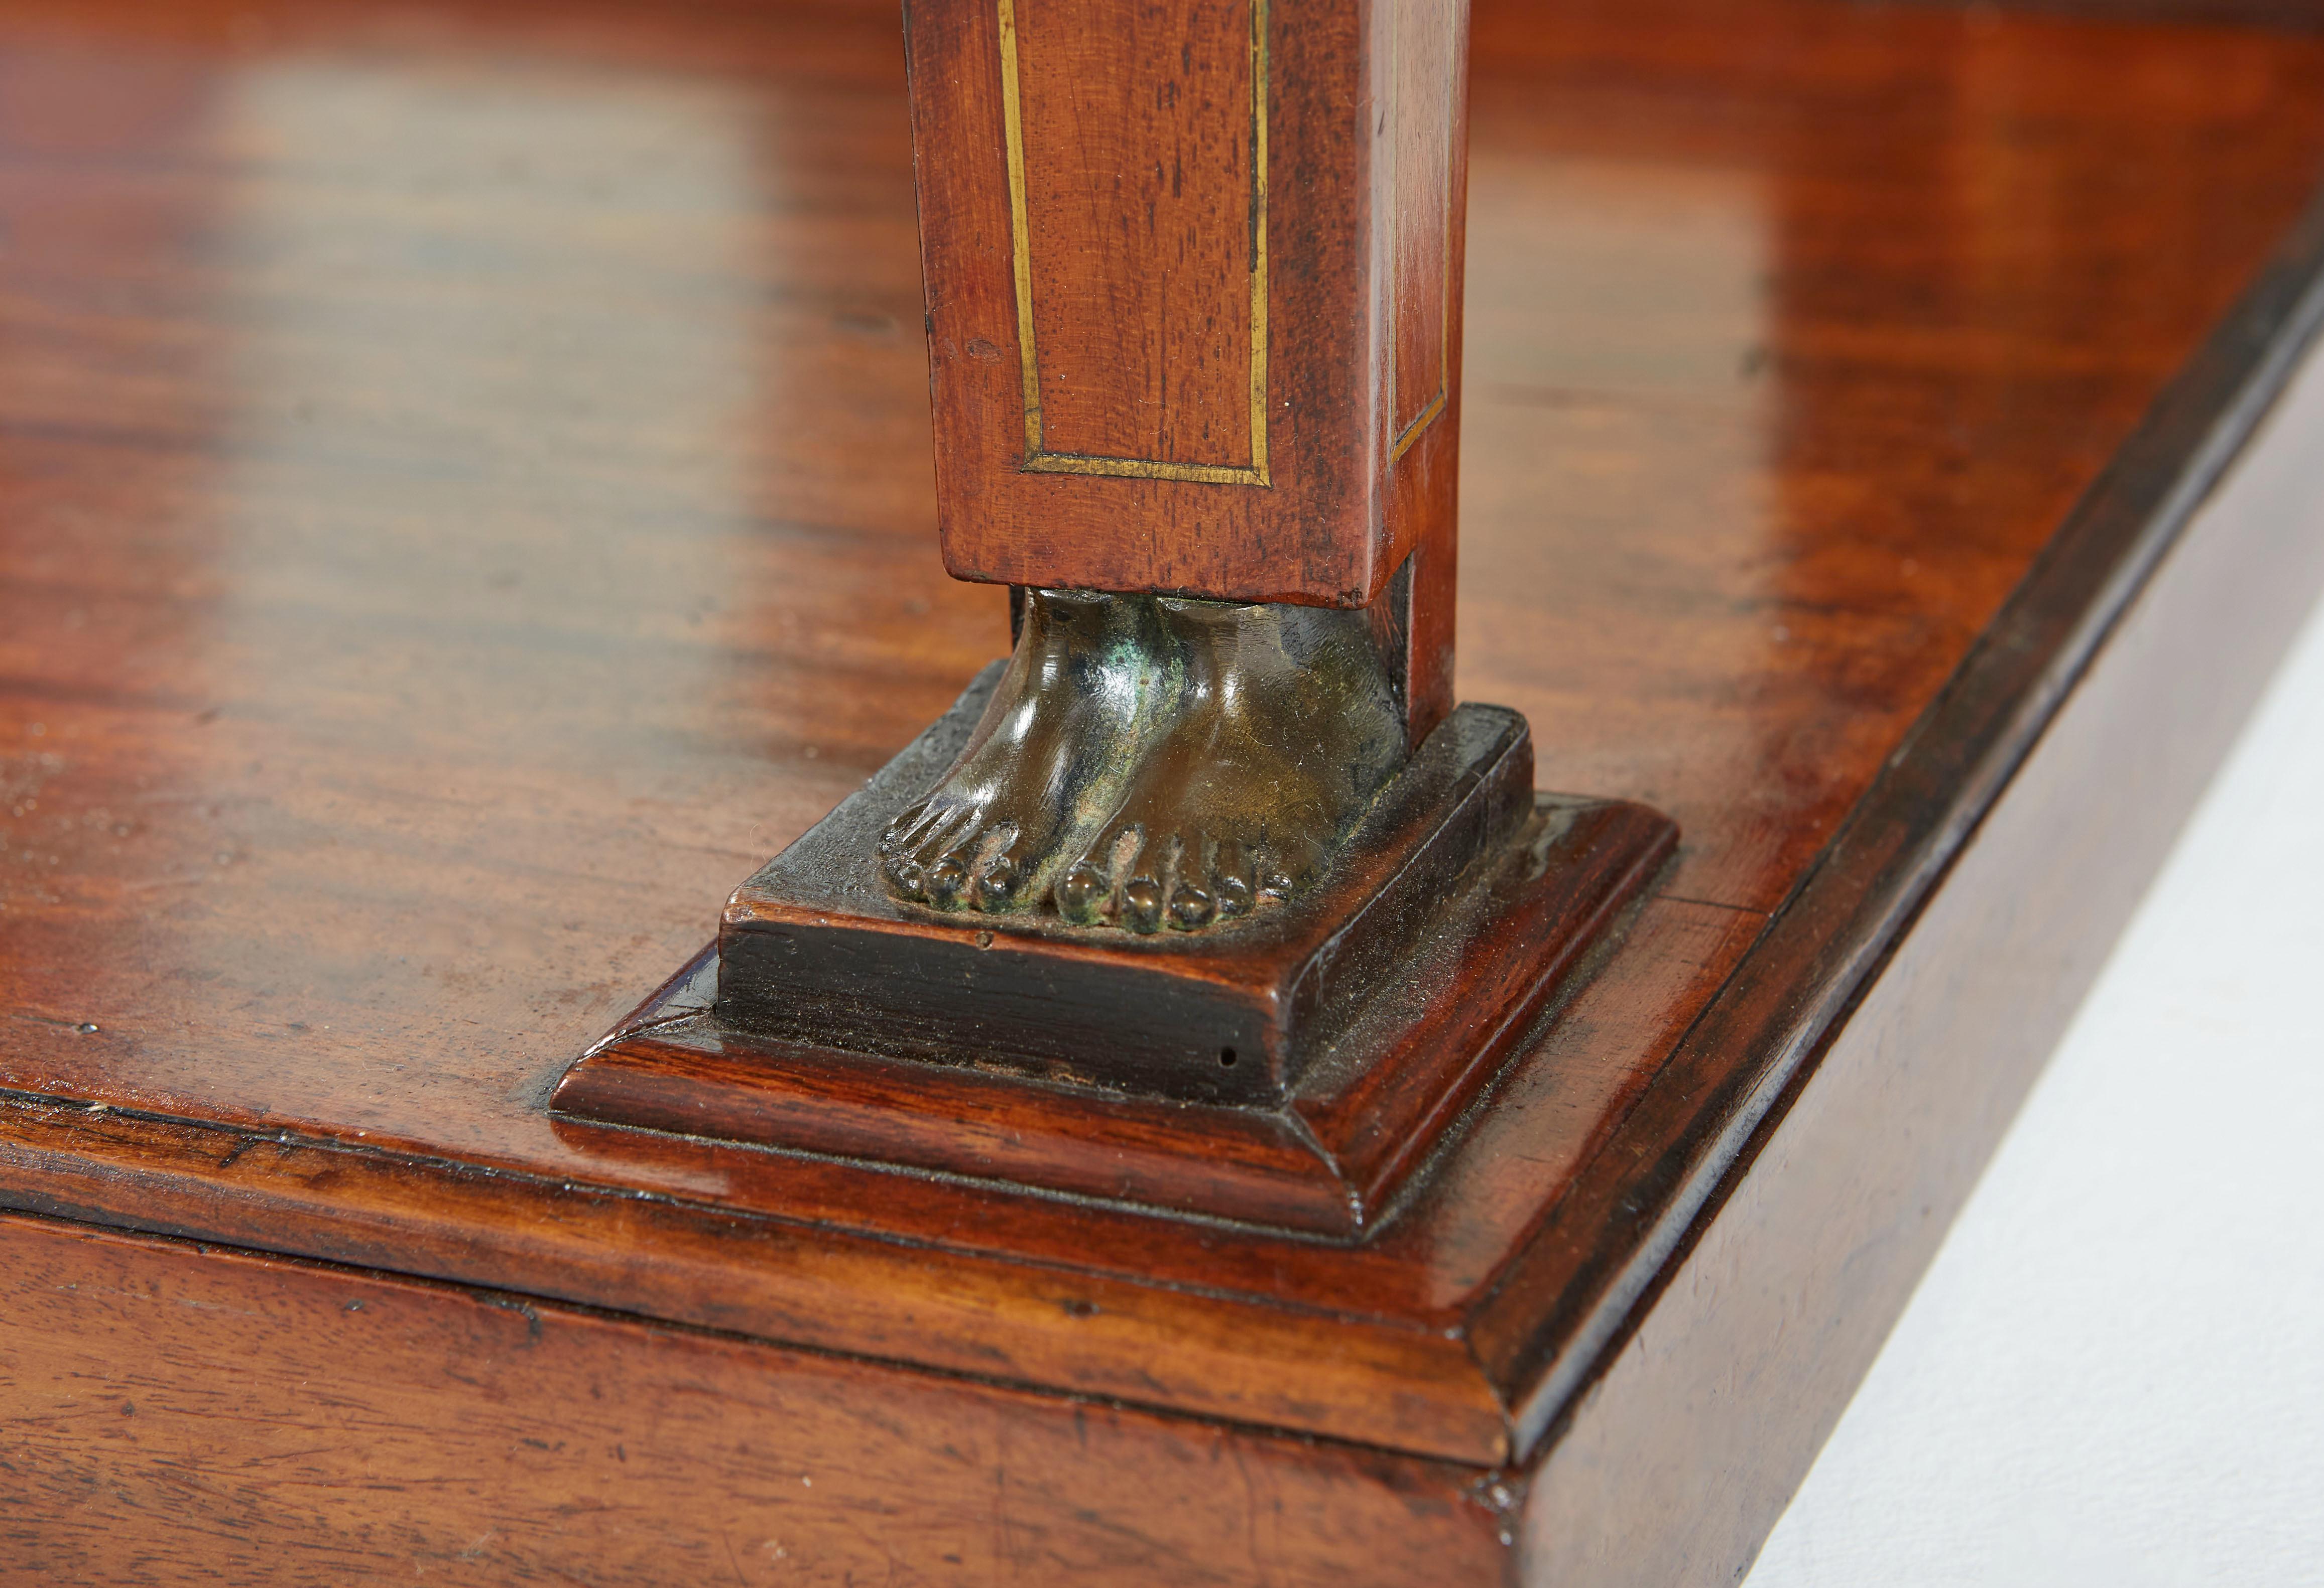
(1227, 1057)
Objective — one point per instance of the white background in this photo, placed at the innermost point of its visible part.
(2113, 1374)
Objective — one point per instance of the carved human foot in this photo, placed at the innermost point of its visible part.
(1279, 726)
(1049, 757)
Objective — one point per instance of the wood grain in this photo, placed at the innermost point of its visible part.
(202, 1415)
(1880, 871)
(462, 508)
(1427, 54)
(1814, 1248)
(1139, 164)
(1192, 295)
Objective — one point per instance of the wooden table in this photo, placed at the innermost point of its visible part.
(465, 502)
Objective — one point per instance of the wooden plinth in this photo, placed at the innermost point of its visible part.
(1291, 1071)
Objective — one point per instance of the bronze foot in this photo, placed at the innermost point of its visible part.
(1051, 755)
(1193, 760)
(1280, 726)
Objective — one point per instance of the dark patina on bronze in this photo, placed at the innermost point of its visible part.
(1156, 761)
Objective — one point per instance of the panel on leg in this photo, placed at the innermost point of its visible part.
(1192, 277)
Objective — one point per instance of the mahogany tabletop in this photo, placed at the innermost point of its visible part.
(466, 501)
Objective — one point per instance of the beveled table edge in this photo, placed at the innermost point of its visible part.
(1567, 1302)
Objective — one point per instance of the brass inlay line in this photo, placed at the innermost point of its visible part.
(1420, 421)
(1038, 458)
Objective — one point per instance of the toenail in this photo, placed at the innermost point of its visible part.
(1191, 908)
(1081, 894)
(1141, 904)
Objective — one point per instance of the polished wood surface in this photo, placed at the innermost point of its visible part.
(1702, 1424)
(464, 509)
(1192, 272)
(402, 1431)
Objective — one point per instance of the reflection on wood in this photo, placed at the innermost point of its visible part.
(375, 716)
